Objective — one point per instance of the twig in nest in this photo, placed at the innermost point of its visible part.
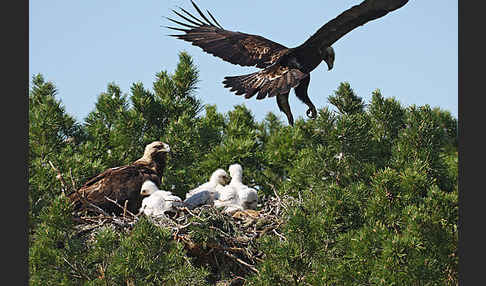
(125, 208)
(113, 201)
(72, 180)
(258, 259)
(76, 270)
(217, 229)
(188, 210)
(242, 262)
(59, 177)
(267, 229)
(236, 279)
(279, 234)
(275, 192)
(272, 187)
(232, 249)
(97, 208)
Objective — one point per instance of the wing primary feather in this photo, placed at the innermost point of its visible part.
(177, 29)
(207, 41)
(202, 15)
(192, 16)
(185, 18)
(214, 19)
(180, 23)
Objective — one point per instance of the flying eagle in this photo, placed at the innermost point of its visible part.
(123, 183)
(282, 68)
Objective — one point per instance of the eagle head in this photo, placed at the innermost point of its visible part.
(155, 152)
(156, 147)
(220, 176)
(148, 188)
(236, 171)
(328, 56)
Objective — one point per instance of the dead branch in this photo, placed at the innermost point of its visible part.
(242, 262)
(76, 270)
(123, 208)
(72, 179)
(59, 177)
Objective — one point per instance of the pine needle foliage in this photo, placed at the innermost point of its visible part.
(373, 187)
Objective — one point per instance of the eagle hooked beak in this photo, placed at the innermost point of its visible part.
(329, 58)
(329, 65)
(165, 148)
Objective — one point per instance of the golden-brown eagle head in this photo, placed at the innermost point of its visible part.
(328, 56)
(156, 147)
(155, 151)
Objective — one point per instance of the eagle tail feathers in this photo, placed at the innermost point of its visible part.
(248, 84)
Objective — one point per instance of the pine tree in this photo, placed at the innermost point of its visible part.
(51, 132)
(370, 190)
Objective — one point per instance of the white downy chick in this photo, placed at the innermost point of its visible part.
(207, 192)
(237, 196)
(158, 201)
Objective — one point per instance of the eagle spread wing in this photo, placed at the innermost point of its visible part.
(234, 47)
(350, 19)
(283, 68)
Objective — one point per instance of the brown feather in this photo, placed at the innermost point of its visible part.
(234, 47)
(201, 13)
(190, 15)
(348, 20)
(283, 68)
(121, 184)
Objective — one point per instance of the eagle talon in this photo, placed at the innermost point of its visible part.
(311, 113)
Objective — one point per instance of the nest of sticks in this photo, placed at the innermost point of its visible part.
(226, 244)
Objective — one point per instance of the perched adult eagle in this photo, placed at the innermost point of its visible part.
(123, 183)
(282, 68)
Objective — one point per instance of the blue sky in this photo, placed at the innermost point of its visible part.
(410, 54)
